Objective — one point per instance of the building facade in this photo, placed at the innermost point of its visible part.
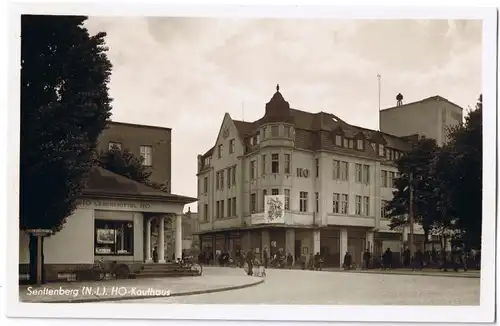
(334, 179)
(429, 117)
(114, 220)
(151, 143)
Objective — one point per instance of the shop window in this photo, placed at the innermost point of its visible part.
(114, 237)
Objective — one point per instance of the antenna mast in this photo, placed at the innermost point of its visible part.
(379, 88)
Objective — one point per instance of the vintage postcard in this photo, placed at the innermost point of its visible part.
(306, 163)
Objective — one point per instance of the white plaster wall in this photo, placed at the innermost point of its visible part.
(74, 244)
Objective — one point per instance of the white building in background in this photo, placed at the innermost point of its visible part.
(334, 179)
(429, 117)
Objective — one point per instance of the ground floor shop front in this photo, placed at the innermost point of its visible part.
(331, 242)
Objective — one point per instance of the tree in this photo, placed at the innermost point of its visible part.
(64, 108)
(417, 166)
(461, 167)
(124, 163)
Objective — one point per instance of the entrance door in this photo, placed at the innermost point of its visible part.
(298, 246)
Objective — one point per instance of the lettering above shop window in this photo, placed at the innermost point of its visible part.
(113, 204)
(302, 173)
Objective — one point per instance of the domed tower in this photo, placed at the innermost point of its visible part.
(277, 109)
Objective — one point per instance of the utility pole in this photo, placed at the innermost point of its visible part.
(411, 217)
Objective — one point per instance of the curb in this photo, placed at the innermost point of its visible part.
(178, 294)
(432, 274)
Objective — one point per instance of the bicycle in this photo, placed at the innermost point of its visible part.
(103, 269)
(189, 263)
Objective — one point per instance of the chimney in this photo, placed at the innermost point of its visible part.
(399, 99)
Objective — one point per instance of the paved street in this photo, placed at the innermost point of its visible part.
(308, 287)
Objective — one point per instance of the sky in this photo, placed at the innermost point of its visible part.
(185, 73)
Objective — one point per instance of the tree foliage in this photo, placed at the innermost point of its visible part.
(125, 163)
(415, 166)
(64, 108)
(447, 182)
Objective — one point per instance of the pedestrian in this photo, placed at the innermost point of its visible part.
(387, 259)
(250, 259)
(303, 260)
(347, 260)
(406, 258)
(419, 260)
(289, 260)
(155, 254)
(265, 256)
(366, 259)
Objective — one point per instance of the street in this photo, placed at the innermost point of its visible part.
(333, 288)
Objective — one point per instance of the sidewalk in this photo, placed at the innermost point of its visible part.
(214, 279)
(404, 271)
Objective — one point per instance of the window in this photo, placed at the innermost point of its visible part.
(351, 143)
(205, 212)
(336, 203)
(114, 237)
(383, 179)
(360, 144)
(274, 131)
(358, 205)
(275, 192)
(205, 185)
(252, 170)
(233, 179)
(146, 155)
(229, 207)
(336, 170)
(345, 204)
(114, 146)
(388, 154)
(346, 142)
(233, 207)
(338, 140)
(317, 168)
(221, 208)
(303, 201)
(220, 149)
(229, 175)
(287, 164)
(359, 173)
(383, 209)
(264, 194)
(390, 179)
(288, 134)
(287, 199)
(366, 174)
(252, 141)
(317, 202)
(231, 146)
(253, 203)
(216, 180)
(275, 163)
(207, 161)
(221, 176)
(381, 150)
(264, 164)
(366, 206)
(257, 139)
(344, 171)
(264, 133)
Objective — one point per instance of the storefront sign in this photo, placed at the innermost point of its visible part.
(274, 209)
(112, 204)
(302, 173)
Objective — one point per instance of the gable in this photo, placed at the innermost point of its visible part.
(227, 132)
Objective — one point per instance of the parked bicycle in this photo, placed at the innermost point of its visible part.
(188, 262)
(105, 269)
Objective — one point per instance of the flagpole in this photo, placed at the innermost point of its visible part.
(379, 89)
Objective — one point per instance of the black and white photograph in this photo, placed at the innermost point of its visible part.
(299, 164)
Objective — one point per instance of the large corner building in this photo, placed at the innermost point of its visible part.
(334, 179)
